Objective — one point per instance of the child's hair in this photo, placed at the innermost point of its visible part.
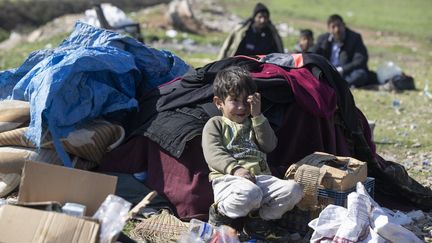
(306, 33)
(233, 81)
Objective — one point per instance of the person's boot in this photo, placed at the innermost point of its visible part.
(264, 230)
(216, 218)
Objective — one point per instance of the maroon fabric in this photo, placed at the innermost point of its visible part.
(184, 181)
(313, 95)
(303, 134)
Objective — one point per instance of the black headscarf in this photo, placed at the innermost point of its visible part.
(259, 7)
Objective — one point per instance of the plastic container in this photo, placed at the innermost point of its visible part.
(203, 232)
(225, 234)
(112, 215)
(74, 209)
(201, 229)
(387, 71)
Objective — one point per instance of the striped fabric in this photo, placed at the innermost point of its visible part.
(12, 159)
(13, 114)
(90, 142)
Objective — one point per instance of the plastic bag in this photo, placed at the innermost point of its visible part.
(112, 215)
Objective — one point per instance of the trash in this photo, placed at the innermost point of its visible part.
(387, 71)
(416, 145)
(42, 182)
(171, 33)
(426, 92)
(200, 232)
(112, 215)
(400, 218)
(22, 224)
(74, 209)
(362, 219)
(396, 104)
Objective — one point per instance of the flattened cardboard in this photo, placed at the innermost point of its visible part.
(20, 224)
(42, 182)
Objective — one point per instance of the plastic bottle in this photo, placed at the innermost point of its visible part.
(203, 230)
(225, 234)
(426, 92)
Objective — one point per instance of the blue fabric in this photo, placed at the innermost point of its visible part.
(92, 73)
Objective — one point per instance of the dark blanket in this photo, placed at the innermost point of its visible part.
(184, 181)
(182, 178)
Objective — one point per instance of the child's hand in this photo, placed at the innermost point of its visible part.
(255, 104)
(242, 172)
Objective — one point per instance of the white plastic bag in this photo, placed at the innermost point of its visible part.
(112, 215)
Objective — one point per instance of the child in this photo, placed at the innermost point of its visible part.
(305, 41)
(234, 147)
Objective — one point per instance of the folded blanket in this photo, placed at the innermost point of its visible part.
(13, 114)
(12, 159)
(89, 142)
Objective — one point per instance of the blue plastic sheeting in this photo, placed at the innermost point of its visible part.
(92, 73)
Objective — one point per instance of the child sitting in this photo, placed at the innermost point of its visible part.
(235, 147)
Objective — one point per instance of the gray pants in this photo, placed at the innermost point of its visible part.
(236, 196)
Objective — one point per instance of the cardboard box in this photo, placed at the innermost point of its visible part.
(20, 224)
(42, 182)
(338, 173)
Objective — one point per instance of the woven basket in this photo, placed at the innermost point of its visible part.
(159, 228)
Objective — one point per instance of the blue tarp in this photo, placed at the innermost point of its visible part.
(92, 73)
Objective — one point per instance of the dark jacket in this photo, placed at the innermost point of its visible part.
(353, 54)
(233, 41)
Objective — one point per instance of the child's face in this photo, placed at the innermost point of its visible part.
(305, 43)
(235, 108)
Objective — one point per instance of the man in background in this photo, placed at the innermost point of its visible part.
(257, 35)
(345, 49)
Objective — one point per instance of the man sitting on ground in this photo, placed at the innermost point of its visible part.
(345, 49)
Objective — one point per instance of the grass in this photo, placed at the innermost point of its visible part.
(14, 57)
(409, 17)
